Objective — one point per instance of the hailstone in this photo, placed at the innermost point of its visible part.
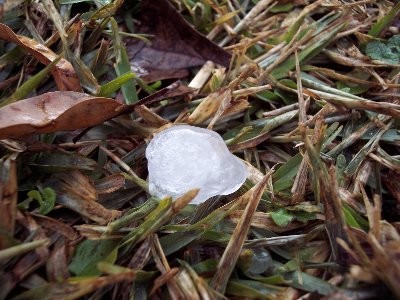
(185, 157)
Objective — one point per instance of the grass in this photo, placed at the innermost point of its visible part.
(309, 100)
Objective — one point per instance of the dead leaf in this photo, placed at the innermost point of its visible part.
(175, 47)
(168, 274)
(55, 111)
(173, 90)
(63, 72)
(76, 191)
(53, 225)
(264, 220)
(57, 263)
(139, 259)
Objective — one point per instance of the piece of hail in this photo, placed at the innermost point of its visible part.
(185, 157)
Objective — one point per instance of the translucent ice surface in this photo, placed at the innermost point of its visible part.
(185, 157)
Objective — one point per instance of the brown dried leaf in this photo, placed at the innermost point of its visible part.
(76, 191)
(176, 46)
(57, 263)
(55, 111)
(63, 72)
(141, 256)
(58, 226)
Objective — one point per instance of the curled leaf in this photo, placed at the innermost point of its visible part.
(46, 199)
(64, 73)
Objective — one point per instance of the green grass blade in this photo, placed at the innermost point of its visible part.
(379, 26)
(313, 47)
(31, 84)
(122, 65)
(114, 85)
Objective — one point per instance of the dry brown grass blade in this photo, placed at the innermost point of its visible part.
(168, 274)
(232, 251)
(244, 23)
(264, 221)
(8, 199)
(70, 290)
(384, 108)
(210, 105)
(110, 184)
(377, 251)
(326, 190)
(150, 117)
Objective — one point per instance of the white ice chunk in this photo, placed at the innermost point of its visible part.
(185, 157)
